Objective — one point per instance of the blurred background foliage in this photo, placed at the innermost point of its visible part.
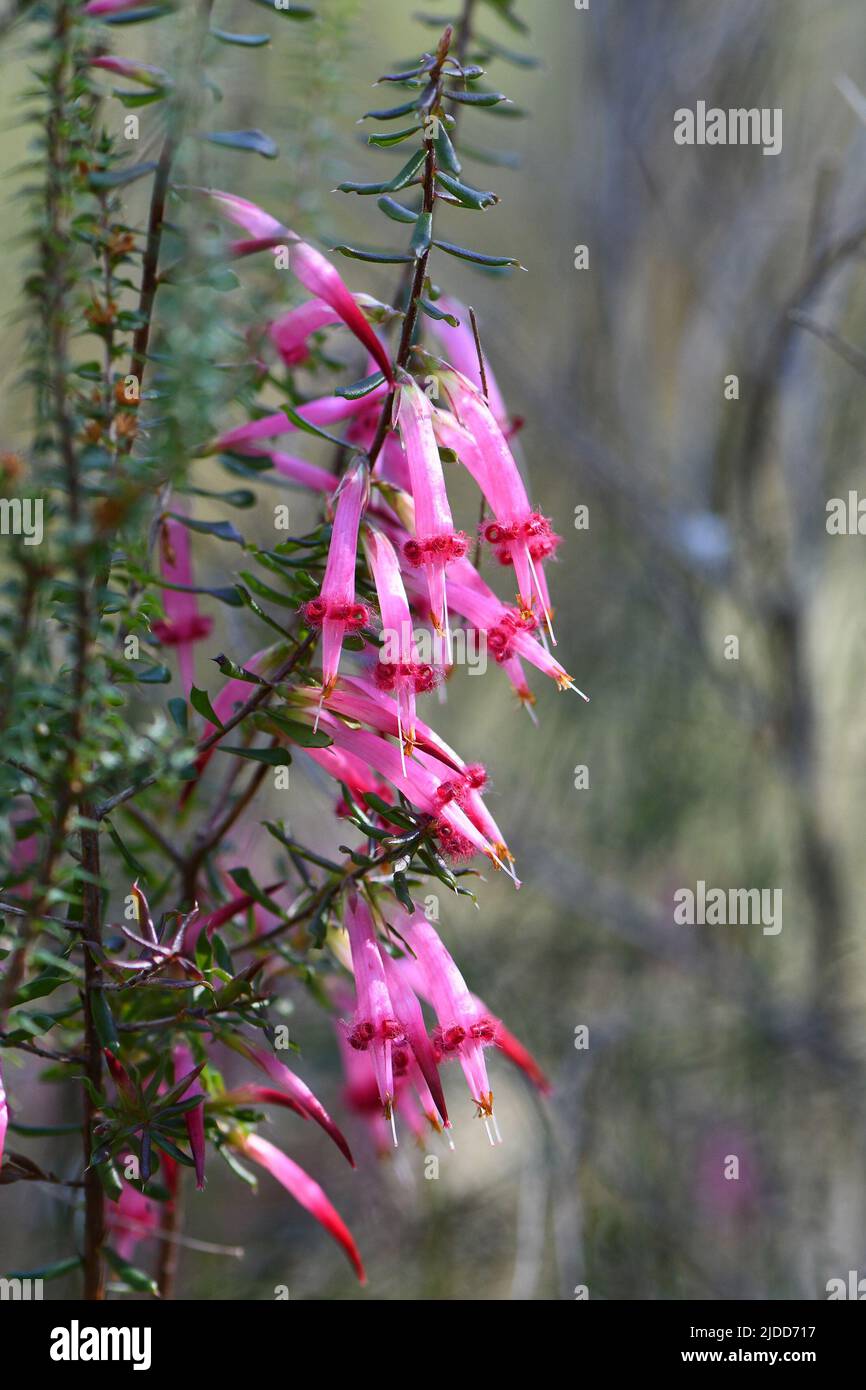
(707, 519)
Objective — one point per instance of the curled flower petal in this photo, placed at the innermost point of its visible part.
(314, 270)
(304, 1190)
(299, 1092)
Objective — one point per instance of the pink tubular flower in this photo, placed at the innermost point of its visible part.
(296, 1090)
(120, 1077)
(399, 668)
(234, 693)
(435, 543)
(131, 1218)
(375, 1027)
(183, 625)
(464, 1028)
(132, 69)
(520, 536)
(514, 1050)
(458, 837)
(184, 1063)
(325, 410)
(411, 1020)
(361, 1094)
(509, 631)
(458, 348)
(313, 270)
(335, 610)
(99, 7)
(362, 699)
(4, 1118)
(290, 332)
(304, 1190)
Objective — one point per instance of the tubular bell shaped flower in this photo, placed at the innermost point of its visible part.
(184, 1062)
(4, 1118)
(99, 7)
(297, 1091)
(519, 536)
(304, 1190)
(411, 1021)
(399, 668)
(313, 270)
(509, 631)
(291, 331)
(335, 610)
(183, 624)
(435, 543)
(458, 348)
(465, 1029)
(375, 1028)
(131, 68)
(515, 1051)
(324, 410)
(457, 835)
(131, 1218)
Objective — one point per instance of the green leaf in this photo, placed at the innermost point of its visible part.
(274, 757)
(242, 40)
(308, 428)
(446, 155)
(508, 55)
(42, 985)
(132, 1277)
(103, 1020)
(132, 100)
(408, 174)
(302, 734)
(395, 210)
(253, 140)
(224, 530)
(470, 197)
(265, 591)
(505, 10)
(140, 16)
(235, 497)
(279, 834)
(135, 865)
(385, 140)
(237, 673)
(180, 715)
(361, 388)
(247, 884)
(43, 1131)
(476, 257)
(200, 701)
(151, 675)
(435, 313)
(117, 178)
(421, 237)
(476, 98)
(392, 113)
(401, 891)
(52, 1271)
(376, 257)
